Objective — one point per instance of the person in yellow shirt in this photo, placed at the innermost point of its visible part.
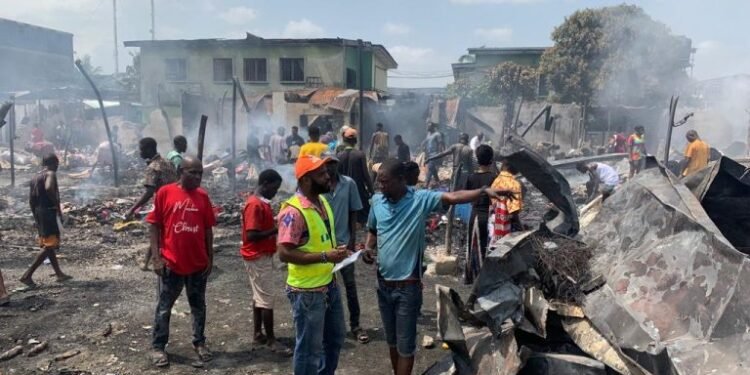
(506, 180)
(313, 147)
(697, 154)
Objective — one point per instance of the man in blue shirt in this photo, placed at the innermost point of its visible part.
(345, 204)
(396, 239)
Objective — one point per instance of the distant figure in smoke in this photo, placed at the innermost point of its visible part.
(463, 160)
(402, 149)
(159, 172)
(476, 141)
(278, 146)
(354, 164)
(293, 144)
(252, 148)
(314, 147)
(697, 154)
(432, 145)
(618, 143)
(637, 151)
(103, 156)
(379, 145)
(44, 199)
(182, 241)
(180, 147)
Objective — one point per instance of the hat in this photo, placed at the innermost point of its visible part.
(306, 164)
(350, 133)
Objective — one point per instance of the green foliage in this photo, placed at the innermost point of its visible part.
(510, 82)
(615, 55)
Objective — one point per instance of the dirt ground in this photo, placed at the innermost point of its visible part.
(107, 311)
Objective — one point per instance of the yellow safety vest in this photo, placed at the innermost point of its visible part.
(320, 240)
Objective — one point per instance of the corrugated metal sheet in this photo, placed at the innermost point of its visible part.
(324, 96)
(344, 101)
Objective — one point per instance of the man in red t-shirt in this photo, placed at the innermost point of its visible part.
(182, 247)
(258, 246)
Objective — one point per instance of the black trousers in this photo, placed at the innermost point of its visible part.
(170, 288)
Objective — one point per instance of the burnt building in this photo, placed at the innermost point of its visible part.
(33, 57)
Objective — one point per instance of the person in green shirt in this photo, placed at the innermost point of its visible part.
(180, 146)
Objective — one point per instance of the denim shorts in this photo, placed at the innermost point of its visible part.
(399, 309)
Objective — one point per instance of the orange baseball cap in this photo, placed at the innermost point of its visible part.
(350, 133)
(308, 163)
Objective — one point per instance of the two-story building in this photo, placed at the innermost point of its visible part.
(267, 70)
(479, 62)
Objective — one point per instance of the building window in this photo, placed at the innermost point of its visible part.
(176, 69)
(223, 70)
(292, 70)
(255, 70)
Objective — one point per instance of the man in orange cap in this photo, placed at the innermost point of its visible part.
(353, 164)
(307, 242)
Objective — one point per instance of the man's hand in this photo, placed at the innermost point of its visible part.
(336, 256)
(158, 264)
(369, 256)
(498, 194)
(209, 268)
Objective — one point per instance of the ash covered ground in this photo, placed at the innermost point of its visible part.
(105, 314)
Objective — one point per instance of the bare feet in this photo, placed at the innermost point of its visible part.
(63, 278)
(30, 284)
(159, 358)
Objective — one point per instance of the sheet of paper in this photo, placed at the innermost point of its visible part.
(349, 260)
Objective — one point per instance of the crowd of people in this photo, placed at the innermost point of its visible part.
(317, 228)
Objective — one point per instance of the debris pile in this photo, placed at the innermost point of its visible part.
(652, 285)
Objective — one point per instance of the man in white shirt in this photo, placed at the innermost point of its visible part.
(604, 177)
(476, 141)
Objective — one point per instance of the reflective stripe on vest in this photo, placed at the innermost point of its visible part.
(320, 240)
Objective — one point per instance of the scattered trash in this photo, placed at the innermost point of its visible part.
(428, 342)
(9, 354)
(66, 355)
(36, 349)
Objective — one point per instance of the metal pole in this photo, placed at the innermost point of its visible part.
(670, 123)
(114, 23)
(115, 167)
(202, 136)
(361, 94)
(153, 23)
(232, 176)
(12, 134)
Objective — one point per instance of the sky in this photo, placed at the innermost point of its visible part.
(424, 36)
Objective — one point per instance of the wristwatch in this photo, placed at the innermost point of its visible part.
(323, 257)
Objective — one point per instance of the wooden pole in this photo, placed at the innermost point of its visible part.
(164, 113)
(232, 176)
(12, 133)
(202, 136)
(115, 167)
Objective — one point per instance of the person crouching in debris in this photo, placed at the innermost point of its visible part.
(182, 246)
(44, 199)
(159, 172)
(307, 242)
(396, 239)
(504, 213)
(180, 147)
(603, 179)
(697, 154)
(480, 212)
(258, 247)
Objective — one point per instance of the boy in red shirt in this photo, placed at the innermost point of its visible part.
(182, 249)
(258, 246)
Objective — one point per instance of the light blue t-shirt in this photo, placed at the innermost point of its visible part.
(401, 231)
(343, 200)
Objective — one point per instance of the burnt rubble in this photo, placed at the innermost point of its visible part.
(654, 284)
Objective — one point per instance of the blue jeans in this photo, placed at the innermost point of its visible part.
(320, 329)
(399, 309)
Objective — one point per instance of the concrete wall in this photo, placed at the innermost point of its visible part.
(326, 62)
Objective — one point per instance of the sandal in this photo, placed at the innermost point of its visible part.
(203, 353)
(260, 340)
(279, 348)
(361, 335)
(159, 358)
(64, 278)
